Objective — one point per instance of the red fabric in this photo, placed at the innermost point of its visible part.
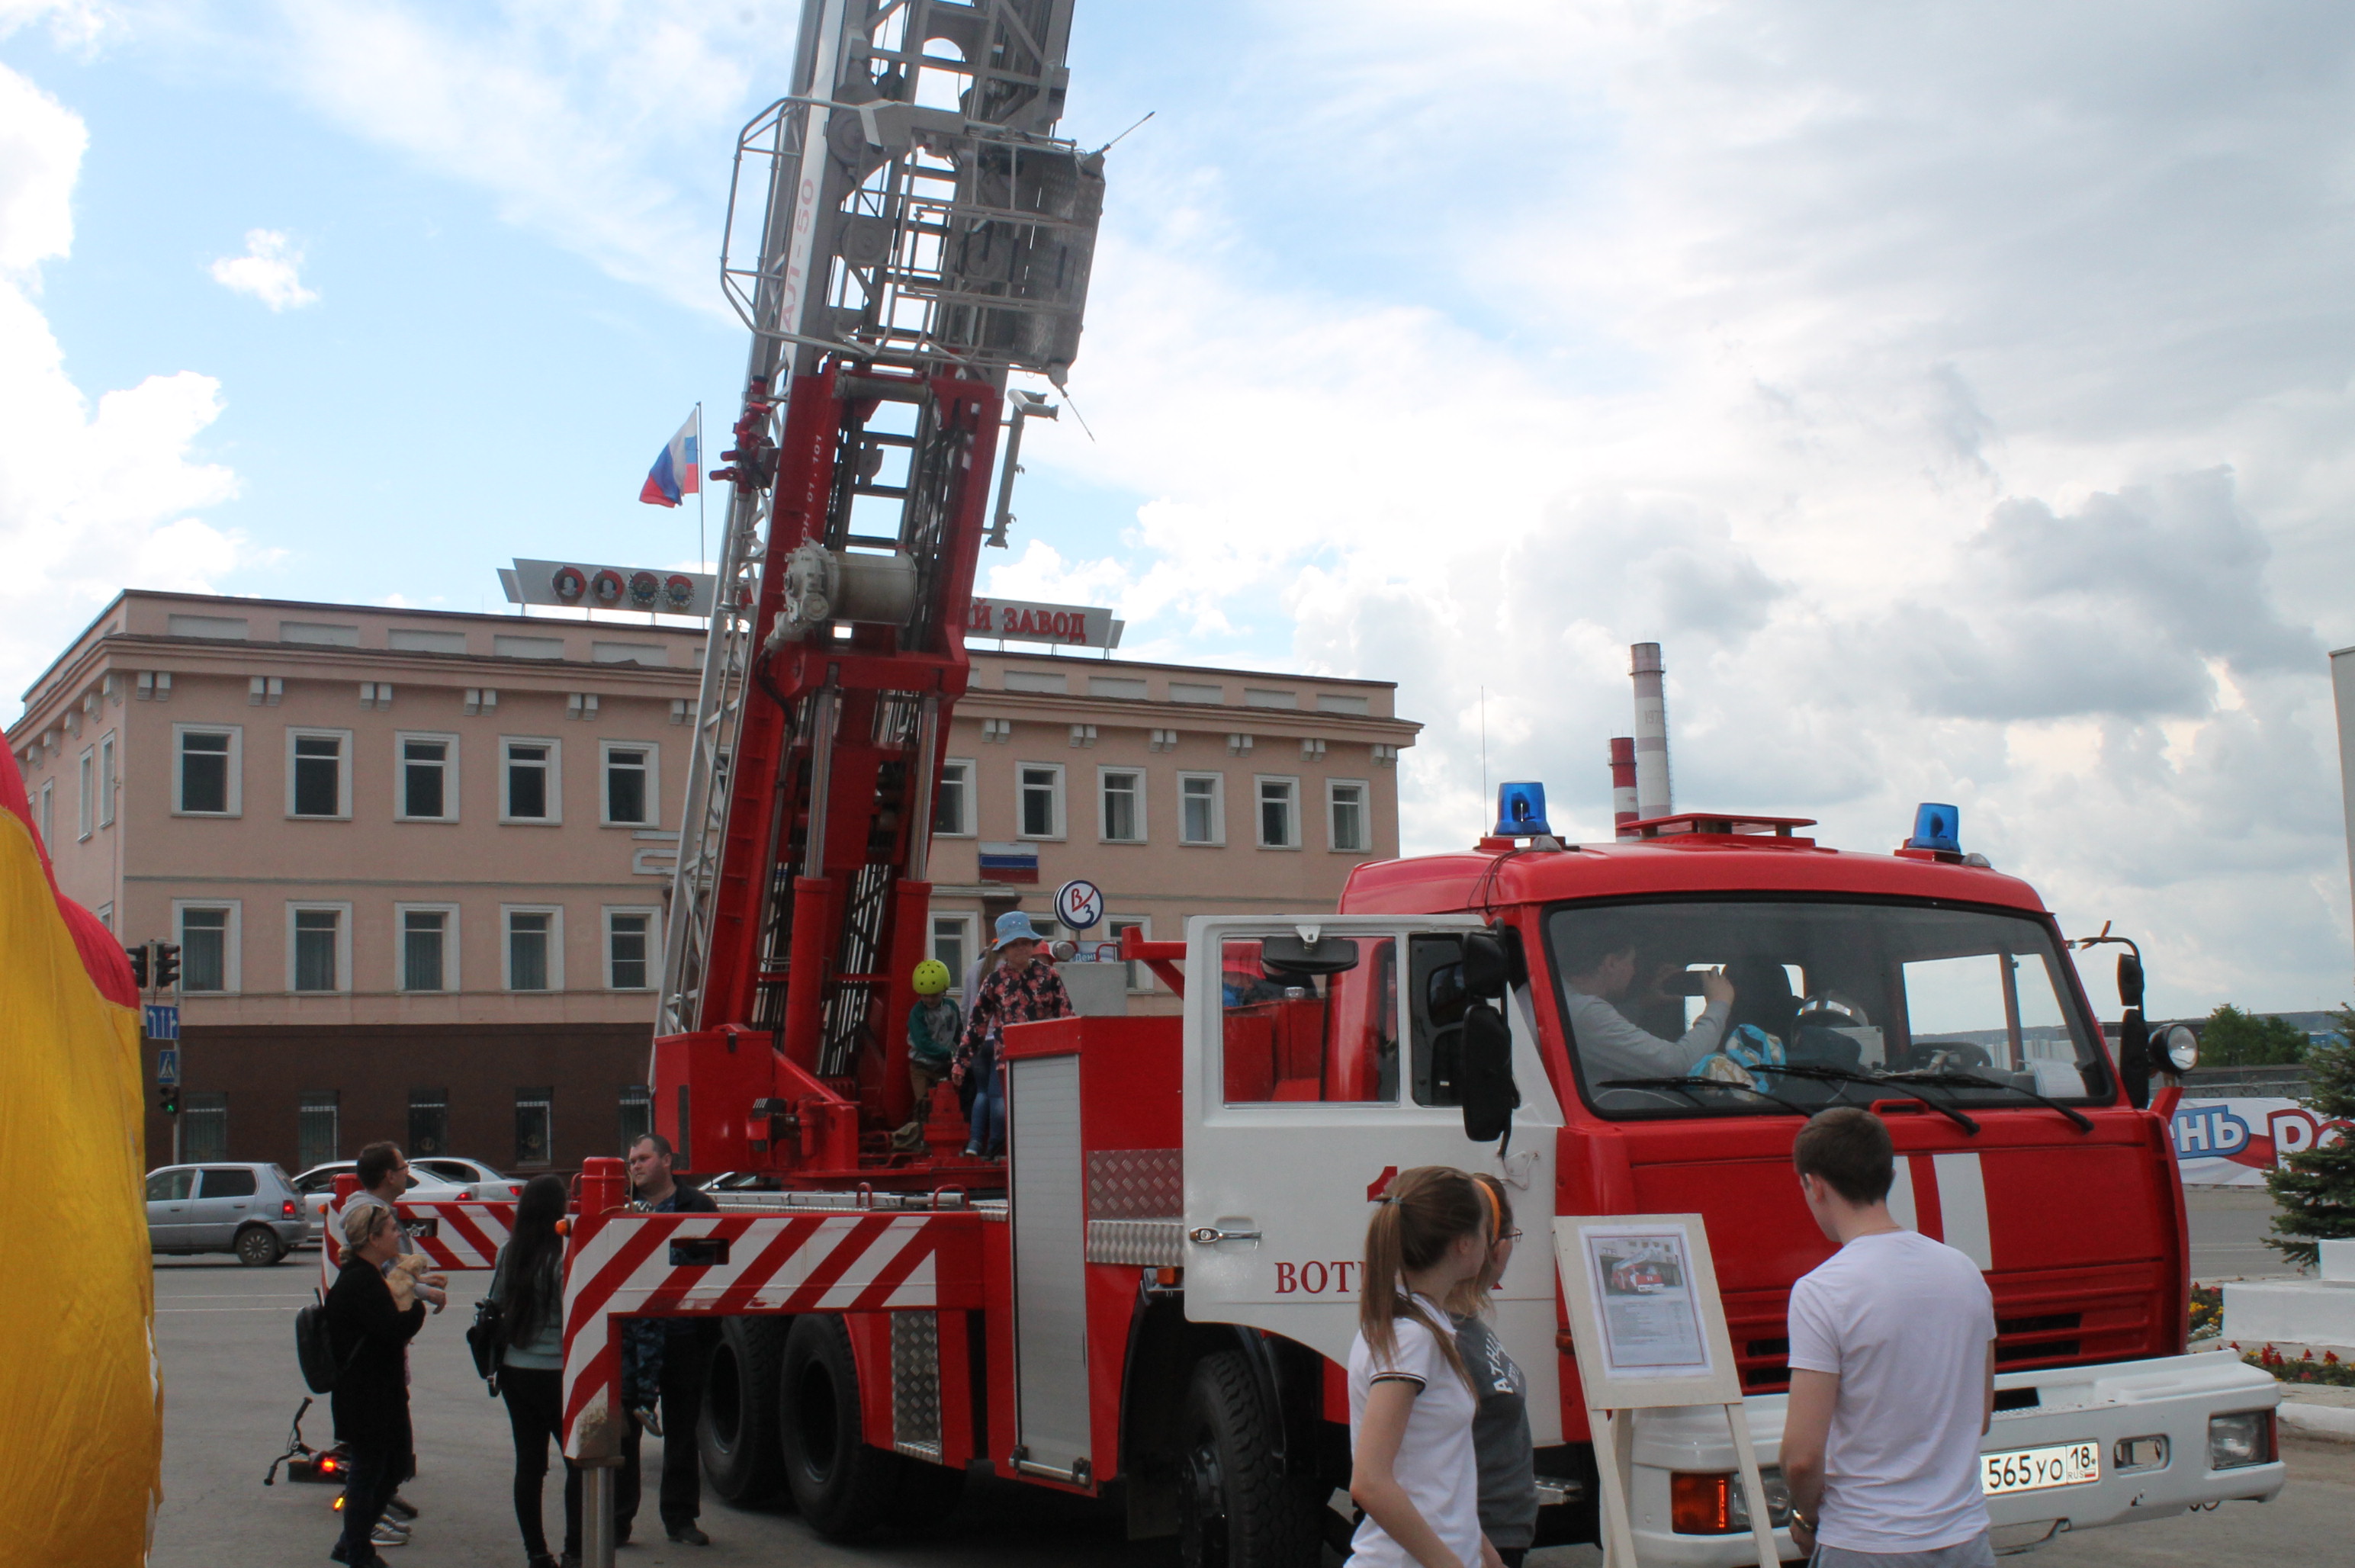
(102, 955)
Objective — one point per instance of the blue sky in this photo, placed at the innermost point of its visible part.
(1959, 394)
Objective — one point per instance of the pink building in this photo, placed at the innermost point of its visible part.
(417, 861)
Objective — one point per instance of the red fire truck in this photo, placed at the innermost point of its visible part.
(1153, 1302)
(1150, 1301)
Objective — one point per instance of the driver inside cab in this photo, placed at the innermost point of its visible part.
(1608, 1043)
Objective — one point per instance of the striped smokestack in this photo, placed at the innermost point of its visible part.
(1622, 782)
(1653, 796)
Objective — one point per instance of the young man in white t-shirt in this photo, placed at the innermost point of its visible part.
(1893, 1371)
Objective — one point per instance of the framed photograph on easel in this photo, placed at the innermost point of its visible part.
(1649, 1330)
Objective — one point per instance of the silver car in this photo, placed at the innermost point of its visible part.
(250, 1210)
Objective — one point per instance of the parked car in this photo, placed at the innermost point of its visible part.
(252, 1211)
(426, 1185)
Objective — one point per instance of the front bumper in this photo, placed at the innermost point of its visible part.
(2171, 1396)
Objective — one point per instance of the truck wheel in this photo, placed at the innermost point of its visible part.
(738, 1433)
(257, 1247)
(842, 1485)
(1236, 1508)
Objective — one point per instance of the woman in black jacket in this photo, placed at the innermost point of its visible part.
(528, 1285)
(369, 1334)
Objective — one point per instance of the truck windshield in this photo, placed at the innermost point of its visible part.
(1689, 1006)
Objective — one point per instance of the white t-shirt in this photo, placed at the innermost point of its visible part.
(1904, 1322)
(1436, 1461)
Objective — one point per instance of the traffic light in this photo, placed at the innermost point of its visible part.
(138, 957)
(171, 1100)
(168, 966)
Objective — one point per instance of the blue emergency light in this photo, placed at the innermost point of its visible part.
(1520, 811)
(1936, 827)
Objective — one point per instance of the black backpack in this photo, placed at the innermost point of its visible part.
(312, 1351)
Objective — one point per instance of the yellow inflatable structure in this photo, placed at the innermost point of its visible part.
(82, 1408)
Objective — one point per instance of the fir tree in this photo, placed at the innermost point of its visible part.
(2314, 1188)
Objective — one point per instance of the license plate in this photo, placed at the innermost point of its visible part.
(2034, 1470)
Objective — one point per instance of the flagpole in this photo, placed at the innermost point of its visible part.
(702, 467)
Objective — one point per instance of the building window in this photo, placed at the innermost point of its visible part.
(629, 949)
(1201, 808)
(1345, 813)
(952, 945)
(1123, 805)
(49, 817)
(316, 1128)
(317, 939)
(208, 946)
(106, 782)
(535, 958)
(204, 1125)
(630, 785)
(86, 804)
(953, 807)
(535, 1116)
(1042, 800)
(1140, 978)
(205, 782)
(315, 773)
(427, 788)
(428, 1122)
(529, 791)
(637, 1113)
(429, 949)
(1279, 815)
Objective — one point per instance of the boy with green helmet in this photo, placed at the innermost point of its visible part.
(934, 1025)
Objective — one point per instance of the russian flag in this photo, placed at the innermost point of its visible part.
(677, 472)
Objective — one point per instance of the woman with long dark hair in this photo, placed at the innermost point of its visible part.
(528, 1285)
(1412, 1400)
(1500, 1432)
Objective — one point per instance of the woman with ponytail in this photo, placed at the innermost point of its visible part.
(1500, 1432)
(1411, 1398)
(528, 1281)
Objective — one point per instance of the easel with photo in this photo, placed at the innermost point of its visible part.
(1649, 1330)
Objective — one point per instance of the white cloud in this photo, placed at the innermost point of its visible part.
(89, 501)
(270, 270)
(1964, 406)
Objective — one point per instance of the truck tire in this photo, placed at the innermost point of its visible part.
(841, 1485)
(1236, 1508)
(738, 1433)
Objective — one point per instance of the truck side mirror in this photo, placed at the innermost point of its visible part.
(1493, 961)
(1485, 1072)
(2129, 980)
(2134, 1058)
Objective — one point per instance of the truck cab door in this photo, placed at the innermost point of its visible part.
(1305, 1091)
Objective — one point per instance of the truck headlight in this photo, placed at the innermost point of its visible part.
(1713, 1502)
(2241, 1439)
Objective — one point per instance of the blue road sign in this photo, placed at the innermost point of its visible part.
(162, 1021)
(168, 1066)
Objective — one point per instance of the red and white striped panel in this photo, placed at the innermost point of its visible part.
(621, 1267)
(466, 1235)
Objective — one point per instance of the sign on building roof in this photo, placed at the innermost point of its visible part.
(1015, 621)
(583, 584)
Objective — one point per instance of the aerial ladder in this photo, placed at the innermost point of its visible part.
(923, 236)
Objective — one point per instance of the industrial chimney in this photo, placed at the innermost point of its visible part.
(1654, 795)
(1622, 784)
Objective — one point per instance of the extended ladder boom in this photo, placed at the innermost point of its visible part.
(923, 235)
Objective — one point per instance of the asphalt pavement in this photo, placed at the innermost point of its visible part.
(225, 1335)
